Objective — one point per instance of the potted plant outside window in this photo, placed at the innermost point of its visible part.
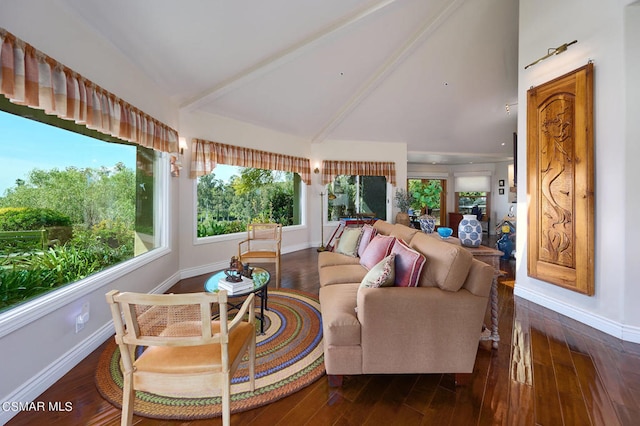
(403, 203)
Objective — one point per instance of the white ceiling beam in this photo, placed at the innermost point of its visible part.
(387, 68)
(281, 57)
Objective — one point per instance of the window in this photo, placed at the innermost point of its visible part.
(95, 196)
(476, 203)
(231, 197)
(354, 195)
(429, 197)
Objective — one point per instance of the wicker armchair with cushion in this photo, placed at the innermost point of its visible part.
(186, 354)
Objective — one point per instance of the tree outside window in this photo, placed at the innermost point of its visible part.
(91, 199)
(232, 197)
(428, 198)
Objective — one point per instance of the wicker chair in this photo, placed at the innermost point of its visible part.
(186, 354)
(262, 245)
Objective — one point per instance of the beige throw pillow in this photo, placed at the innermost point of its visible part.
(349, 241)
(382, 274)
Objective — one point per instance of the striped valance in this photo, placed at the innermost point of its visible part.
(29, 77)
(205, 155)
(331, 169)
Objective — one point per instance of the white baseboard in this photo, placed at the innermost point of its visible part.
(613, 328)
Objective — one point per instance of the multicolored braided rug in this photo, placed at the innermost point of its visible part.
(289, 357)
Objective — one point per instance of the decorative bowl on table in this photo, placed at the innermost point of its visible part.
(445, 232)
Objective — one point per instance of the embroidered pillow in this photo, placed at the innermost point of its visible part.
(409, 264)
(349, 241)
(378, 249)
(381, 275)
(368, 232)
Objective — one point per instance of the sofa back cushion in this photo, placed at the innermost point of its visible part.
(403, 232)
(383, 227)
(447, 265)
(479, 280)
(378, 249)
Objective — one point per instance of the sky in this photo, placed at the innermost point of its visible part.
(28, 144)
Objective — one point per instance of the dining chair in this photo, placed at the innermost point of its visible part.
(262, 245)
(186, 354)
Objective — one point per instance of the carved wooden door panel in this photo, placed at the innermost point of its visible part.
(560, 181)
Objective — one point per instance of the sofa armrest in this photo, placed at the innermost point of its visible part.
(440, 329)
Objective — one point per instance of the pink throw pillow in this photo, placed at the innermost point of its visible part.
(409, 264)
(378, 249)
(368, 232)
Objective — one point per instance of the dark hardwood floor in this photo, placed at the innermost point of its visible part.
(548, 370)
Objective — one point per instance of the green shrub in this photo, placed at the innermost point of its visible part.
(210, 227)
(18, 284)
(24, 277)
(30, 218)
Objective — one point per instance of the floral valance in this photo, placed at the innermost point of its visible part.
(29, 77)
(331, 169)
(205, 155)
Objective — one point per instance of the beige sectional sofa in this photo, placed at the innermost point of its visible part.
(432, 328)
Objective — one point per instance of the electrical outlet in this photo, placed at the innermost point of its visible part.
(83, 317)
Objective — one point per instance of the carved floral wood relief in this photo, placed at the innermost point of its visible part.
(560, 181)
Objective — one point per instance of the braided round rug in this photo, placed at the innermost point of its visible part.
(289, 356)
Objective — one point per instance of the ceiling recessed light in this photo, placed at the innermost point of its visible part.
(502, 144)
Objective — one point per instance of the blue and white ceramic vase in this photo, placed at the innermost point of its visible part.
(427, 223)
(470, 231)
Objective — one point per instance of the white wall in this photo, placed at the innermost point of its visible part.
(36, 354)
(599, 28)
(632, 171)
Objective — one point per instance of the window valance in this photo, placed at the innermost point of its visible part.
(331, 169)
(206, 155)
(29, 77)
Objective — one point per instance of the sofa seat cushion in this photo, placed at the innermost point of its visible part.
(329, 258)
(340, 324)
(341, 274)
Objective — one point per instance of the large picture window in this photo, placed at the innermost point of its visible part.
(73, 202)
(351, 196)
(231, 197)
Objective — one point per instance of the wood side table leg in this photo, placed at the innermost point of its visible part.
(495, 336)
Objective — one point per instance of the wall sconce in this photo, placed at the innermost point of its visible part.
(317, 169)
(550, 52)
(182, 143)
(176, 161)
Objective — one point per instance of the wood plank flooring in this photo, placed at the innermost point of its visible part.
(548, 370)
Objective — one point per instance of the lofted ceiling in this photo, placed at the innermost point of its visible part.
(434, 74)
